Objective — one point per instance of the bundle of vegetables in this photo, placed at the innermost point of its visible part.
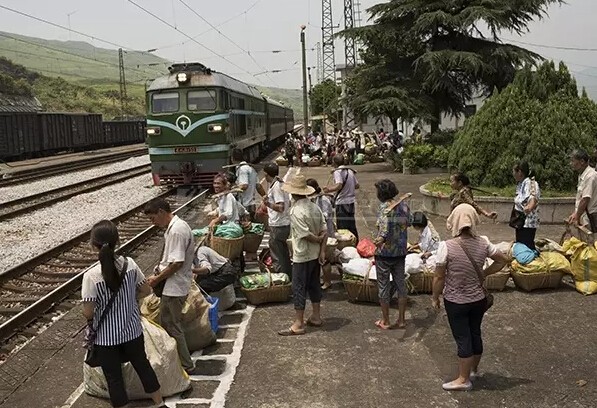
(262, 280)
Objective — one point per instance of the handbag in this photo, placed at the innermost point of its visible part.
(517, 218)
(91, 357)
(480, 275)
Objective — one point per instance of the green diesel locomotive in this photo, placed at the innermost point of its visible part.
(196, 116)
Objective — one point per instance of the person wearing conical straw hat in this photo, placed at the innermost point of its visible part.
(308, 233)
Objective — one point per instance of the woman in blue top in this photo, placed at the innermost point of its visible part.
(393, 220)
(525, 205)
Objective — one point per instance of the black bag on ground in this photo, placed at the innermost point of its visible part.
(517, 218)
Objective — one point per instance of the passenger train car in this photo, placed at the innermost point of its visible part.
(196, 116)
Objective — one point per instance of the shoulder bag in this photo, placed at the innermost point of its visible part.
(480, 275)
(335, 197)
(91, 357)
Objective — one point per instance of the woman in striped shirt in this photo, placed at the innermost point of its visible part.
(120, 336)
(464, 297)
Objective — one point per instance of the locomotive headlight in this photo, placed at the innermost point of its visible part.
(153, 131)
(215, 128)
(182, 77)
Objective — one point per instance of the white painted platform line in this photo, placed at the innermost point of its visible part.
(74, 396)
(218, 399)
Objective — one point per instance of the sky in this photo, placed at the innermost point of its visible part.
(258, 27)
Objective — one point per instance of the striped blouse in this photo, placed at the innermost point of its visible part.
(123, 321)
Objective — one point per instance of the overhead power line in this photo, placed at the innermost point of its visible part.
(192, 39)
(554, 47)
(192, 10)
(70, 29)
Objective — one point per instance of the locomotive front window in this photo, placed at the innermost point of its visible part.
(201, 100)
(164, 102)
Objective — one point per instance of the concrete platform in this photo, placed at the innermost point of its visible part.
(538, 346)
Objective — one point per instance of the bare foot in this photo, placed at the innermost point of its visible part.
(400, 325)
(383, 325)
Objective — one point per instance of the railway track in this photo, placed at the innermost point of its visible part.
(33, 202)
(29, 290)
(24, 176)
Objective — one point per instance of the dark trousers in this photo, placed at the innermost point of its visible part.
(217, 280)
(526, 236)
(305, 280)
(111, 358)
(345, 218)
(279, 249)
(465, 321)
(251, 209)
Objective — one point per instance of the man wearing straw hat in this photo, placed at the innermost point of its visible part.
(309, 237)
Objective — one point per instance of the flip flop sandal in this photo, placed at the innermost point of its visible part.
(380, 325)
(290, 332)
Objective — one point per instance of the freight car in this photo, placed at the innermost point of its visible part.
(27, 135)
(196, 116)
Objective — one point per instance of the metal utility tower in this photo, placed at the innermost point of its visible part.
(349, 43)
(319, 72)
(327, 40)
(358, 20)
(122, 82)
(351, 62)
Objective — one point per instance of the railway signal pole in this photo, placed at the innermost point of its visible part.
(122, 82)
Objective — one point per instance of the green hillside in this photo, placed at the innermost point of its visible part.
(82, 64)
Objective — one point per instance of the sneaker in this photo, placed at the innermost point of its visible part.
(454, 386)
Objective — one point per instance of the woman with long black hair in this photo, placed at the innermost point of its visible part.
(119, 335)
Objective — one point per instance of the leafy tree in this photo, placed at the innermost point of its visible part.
(324, 99)
(538, 118)
(436, 55)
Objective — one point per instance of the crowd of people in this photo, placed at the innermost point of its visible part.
(302, 212)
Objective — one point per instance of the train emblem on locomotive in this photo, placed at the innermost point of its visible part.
(196, 116)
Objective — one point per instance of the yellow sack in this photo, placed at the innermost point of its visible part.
(546, 262)
(583, 265)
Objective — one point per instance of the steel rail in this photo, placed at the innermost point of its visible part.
(49, 197)
(43, 304)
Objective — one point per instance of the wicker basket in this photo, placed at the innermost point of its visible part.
(362, 291)
(532, 281)
(497, 281)
(314, 163)
(271, 294)
(252, 242)
(420, 282)
(230, 248)
(282, 162)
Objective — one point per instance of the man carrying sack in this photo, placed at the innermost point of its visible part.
(586, 192)
(173, 277)
(344, 187)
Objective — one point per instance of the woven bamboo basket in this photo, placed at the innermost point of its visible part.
(362, 291)
(346, 243)
(271, 294)
(252, 242)
(282, 162)
(533, 281)
(230, 248)
(314, 163)
(497, 281)
(420, 282)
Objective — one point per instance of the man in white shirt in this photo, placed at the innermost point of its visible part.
(246, 179)
(174, 273)
(345, 186)
(309, 238)
(212, 271)
(586, 193)
(278, 205)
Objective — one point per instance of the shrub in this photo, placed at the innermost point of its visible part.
(442, 138)
(538, 118)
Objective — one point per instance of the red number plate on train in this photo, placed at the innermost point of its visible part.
(185, 150)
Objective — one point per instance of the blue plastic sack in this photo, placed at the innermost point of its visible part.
(523, 254)
(214, 304)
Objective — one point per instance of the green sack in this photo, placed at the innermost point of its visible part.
(201, 232)
(359, 159)
(229, 230)
(256, 229)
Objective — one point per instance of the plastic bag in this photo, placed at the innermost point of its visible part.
(195, 318)
(523, 254)
(348, 253)
(366, 248)
(357, 267)
(227, 297)
(583, 265)
(261, 280)
(546, 262)
(359, 159)
(229, 230)
(413, 264)
(162, 355)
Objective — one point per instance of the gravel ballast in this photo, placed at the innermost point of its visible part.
(50, 183)
(32, 234)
